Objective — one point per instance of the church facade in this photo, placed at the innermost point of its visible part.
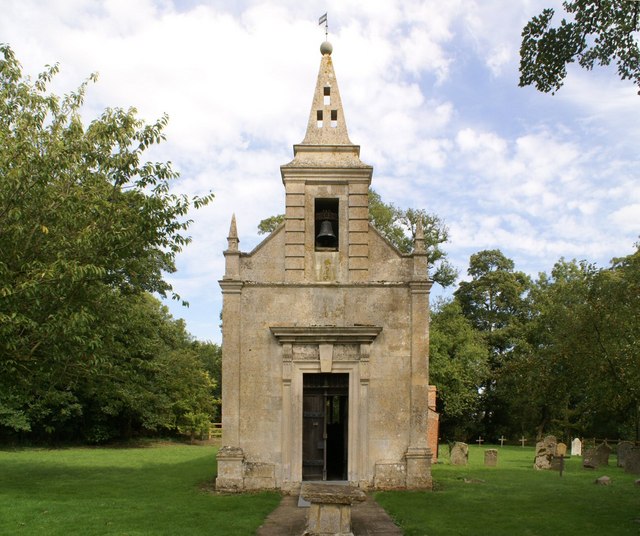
(325, 331)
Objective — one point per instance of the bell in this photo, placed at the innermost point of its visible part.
(326, 238)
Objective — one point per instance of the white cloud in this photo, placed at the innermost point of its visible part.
(628, 218)
(552, 176)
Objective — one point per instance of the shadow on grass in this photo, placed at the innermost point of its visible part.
(122, 491)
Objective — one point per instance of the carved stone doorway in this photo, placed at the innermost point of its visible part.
(325, 426)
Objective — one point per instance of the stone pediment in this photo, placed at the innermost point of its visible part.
(325, 334)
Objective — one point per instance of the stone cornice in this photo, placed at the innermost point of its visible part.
(330, 284)
(231, 286)
(421, 286)
(325, 334)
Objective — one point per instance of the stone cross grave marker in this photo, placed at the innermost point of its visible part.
(523, 440)
(502, 440)
(479, 441)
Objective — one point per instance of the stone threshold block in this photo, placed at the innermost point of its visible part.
(330, 510)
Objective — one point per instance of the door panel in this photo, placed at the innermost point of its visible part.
(313, 427)
(325, 426)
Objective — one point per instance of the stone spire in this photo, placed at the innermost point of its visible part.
(327, 125)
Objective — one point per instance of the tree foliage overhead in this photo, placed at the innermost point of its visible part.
(87, 227)
(596, 32)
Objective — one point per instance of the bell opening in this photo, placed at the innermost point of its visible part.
(326, 225)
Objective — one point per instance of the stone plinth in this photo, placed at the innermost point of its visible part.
(330, 510)
(418, 468)
(230, 469)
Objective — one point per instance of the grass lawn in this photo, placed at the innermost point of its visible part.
(160, 489)
(515, 499)
(121, 491)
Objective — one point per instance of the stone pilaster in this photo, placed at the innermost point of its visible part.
(358, 215)
(295, 232)
(418, 455)
(231, 356)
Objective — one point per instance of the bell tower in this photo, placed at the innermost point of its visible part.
(325, 331)
(326, 185)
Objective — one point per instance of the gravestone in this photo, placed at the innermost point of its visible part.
(632, 461)
(603, 481)
(491, 457)
(561, 449)
(544, 455)
(597, 456)
(576, 447)
(459, 453)
(550, 441)
(623, 450)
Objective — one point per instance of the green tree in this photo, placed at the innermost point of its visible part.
(398, 226)
(575, 370)
(270, 224)
(84, 223)
(496, 303)
(458, 366)
(148, 378)
(596, 32)
(542, 382)
(210, 357)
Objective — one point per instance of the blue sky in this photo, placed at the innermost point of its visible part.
(430, 92)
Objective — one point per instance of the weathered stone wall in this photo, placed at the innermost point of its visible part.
(293, 306)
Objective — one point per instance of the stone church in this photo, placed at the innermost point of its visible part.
(325, 331)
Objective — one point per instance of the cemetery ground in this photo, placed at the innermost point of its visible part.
(513, 498)
(165, 489)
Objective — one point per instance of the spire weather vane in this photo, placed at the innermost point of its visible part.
(323, 20)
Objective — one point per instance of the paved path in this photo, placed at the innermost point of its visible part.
(367, 519)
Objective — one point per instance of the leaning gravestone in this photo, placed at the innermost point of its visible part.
(491, 457)
(632, 461)
(544, 454)
(623, 450)
(459, 453)
(596, 457)
(576, 447)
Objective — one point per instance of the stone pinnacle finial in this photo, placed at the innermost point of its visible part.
(327, 125)
(232, 239)
(418, 246)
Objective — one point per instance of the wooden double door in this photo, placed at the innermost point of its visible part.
(325, 426)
